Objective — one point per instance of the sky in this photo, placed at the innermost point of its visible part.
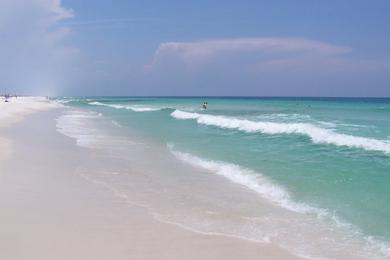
(195, 48)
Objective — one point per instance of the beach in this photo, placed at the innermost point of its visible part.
(162, 178)
(194, 130)
(59, 200)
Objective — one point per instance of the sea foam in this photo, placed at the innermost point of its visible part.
(133, 108)
(76, 124)
(250, 179)
(315, 133)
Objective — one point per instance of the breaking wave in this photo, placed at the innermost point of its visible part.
(133, 108)
(250, 179)
(315, 133)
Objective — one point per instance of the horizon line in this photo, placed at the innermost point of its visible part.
(226, 96)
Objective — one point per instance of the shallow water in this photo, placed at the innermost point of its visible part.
(322, 163)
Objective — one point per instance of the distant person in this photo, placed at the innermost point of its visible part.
(204, 105)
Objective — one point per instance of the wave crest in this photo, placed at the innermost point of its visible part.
(316, 134)
(133, 108)
(250, 179)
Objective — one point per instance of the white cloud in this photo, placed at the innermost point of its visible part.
(34, 55)
(266, 49)
(271, 66)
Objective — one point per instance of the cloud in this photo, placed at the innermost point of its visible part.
(265, 49)
(265, 66)
(35, 56)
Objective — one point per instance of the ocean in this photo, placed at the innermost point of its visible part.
(311, 175)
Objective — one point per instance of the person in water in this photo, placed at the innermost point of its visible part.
(204, 105)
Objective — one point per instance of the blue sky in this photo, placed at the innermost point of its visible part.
(262, 48)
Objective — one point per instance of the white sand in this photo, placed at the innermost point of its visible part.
(5, 149)
(14, 110)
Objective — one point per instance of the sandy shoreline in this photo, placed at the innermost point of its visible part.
(14, 111)
(50, 212)
(17, 108)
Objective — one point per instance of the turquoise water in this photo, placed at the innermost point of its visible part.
(332, 155)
